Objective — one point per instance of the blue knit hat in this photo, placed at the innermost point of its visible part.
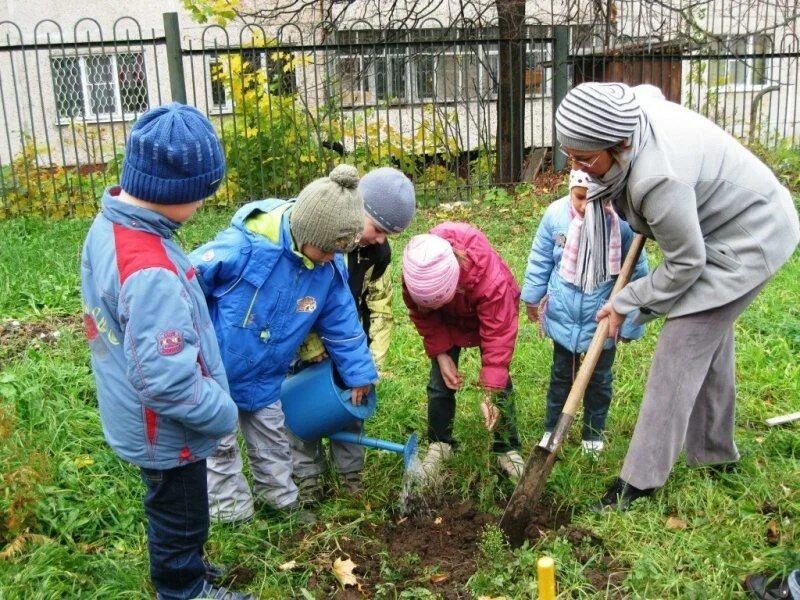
(172, 156)
(388, 198)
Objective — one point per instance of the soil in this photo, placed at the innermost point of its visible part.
(17, 336)
(438, 549)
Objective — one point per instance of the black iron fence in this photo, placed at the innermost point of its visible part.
(428, 96)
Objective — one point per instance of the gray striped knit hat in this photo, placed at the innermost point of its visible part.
(596, 116)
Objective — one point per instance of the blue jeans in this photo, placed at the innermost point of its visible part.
(442, 411)
(597, 398)
(176, 505)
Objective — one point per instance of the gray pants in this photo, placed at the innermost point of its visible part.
(690, 398)
(270, 454)
(309, 456)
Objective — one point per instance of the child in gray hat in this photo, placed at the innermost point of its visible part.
(389, 206)
(270, 277)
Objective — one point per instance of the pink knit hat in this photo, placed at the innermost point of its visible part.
(430, 270)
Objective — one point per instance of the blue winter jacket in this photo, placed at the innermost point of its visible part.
(264, 298)
(161, 387)
(569, 316)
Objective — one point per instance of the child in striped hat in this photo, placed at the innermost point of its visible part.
(560, 296)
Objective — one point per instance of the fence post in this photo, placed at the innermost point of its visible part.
(177, 81)
(560, 85)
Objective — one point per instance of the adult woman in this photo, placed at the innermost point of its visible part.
(724, 224)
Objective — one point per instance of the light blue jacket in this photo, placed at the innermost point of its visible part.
(161, 387)
(264, 298)
(569, 316)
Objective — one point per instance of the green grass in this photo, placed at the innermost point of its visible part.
(61, 482)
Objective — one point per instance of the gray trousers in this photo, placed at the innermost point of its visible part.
(309, 456)
(270, 454)
(690, 398)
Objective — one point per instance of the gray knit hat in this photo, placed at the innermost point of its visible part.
(596, 116)
(389, 198)
(328, 213)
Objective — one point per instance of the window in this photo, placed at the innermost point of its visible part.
(749, 66)
(99, 86)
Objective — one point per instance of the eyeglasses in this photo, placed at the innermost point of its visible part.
(583, 163)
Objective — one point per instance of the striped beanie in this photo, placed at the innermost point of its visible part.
(596, 116)
(430, 270)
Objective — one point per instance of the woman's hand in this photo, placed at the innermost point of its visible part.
(614, 319)
(453, 379)
(359, 393)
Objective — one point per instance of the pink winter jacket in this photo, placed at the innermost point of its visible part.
(484, 311)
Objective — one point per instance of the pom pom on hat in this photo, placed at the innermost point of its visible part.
(172, 156)
(430, 270)
(328, 213)
(389, 198)
(596, 116)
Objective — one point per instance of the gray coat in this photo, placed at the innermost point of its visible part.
(723, 221)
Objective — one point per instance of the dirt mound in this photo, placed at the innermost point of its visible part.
(17, 336)
(436, 549)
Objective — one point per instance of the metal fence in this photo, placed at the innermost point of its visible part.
(426, 94)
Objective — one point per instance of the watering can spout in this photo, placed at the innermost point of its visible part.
(408, 450)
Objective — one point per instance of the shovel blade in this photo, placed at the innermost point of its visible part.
(522, 504)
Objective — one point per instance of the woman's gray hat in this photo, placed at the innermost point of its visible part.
(389, 198)
(596, 116)
(328, 213)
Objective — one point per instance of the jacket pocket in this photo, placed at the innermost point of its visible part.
(721, 255)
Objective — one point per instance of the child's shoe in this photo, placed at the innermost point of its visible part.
(295, 510)
(513, 465)
(309, 491)
(592, 448)
(211, 592)
(431, 467)
(352, 482)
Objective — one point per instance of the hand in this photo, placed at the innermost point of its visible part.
(491, 414)
(453, 379)
(360, 393)
(614, 319)
(318, 358)
(533, 312)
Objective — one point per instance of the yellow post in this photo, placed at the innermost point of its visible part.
(546, 571)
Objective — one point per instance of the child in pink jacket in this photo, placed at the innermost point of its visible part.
(460, 293)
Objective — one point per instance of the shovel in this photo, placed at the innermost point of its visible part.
(520, 507)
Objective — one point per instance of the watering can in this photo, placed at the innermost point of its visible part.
(316, 404)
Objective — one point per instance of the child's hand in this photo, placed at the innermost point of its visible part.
(359, 393)
(533, 312)
(491, 414)
(453, 379)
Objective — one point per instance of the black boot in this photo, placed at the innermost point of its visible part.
(620, 496)
(767, 588)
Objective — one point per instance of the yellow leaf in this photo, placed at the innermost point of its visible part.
(16, 545)
(437, 521)
(439, 577)
(492, 598)
(343, 571)
(675, 523)
(84, 460)
(288, 566)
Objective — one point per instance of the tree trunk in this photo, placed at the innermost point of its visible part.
(511, 91)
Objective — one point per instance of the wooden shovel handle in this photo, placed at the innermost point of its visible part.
(600, 335)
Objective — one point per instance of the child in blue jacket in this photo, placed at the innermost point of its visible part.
(270, 277)
(161, 387)
(566, 307)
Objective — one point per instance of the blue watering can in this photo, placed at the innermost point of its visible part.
(316, 404)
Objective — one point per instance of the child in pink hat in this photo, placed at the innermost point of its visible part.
(460, 293)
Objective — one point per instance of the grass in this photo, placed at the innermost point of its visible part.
(71, 519)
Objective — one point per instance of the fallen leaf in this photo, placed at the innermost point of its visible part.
(438, 521)
(343, 571)
(402, 520)
(492, 598)
(760, 440)
(675, 523)
(439, 577)
(84, 460)
(288, 566)
(16, 545)
(773, 535)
